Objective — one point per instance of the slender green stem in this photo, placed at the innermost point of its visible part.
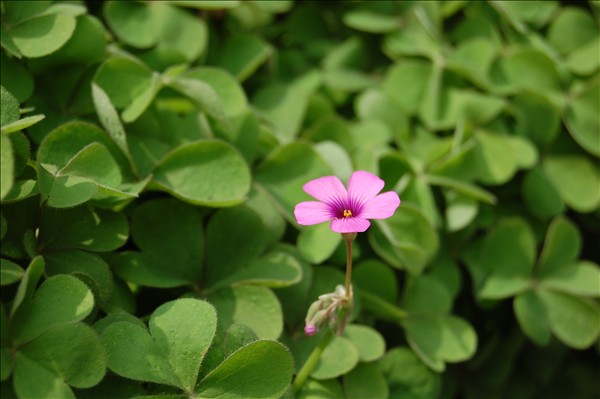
(381, 307)
(310, 363)
(348, 268)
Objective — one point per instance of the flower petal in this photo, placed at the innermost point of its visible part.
(328, 189)
(363, 187)
(312, 212)
(349, 225)
(381, 207)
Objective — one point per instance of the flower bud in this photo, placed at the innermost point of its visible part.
(310, 329)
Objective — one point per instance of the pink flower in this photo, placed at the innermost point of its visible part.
(347, 210)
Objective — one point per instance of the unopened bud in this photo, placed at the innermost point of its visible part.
(310, 329)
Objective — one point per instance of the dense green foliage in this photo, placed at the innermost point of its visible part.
(152, 154)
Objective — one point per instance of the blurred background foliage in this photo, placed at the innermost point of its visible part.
(155, 150)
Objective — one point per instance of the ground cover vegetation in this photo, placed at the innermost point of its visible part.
(152, 155)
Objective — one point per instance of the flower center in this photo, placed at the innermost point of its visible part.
(347, 213)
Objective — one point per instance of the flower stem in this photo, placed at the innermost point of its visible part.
(381, 307)
(349, 238)
(310, 363)
(348, 267)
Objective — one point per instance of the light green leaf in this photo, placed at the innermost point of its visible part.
(412, 40)
(64, 142)
(255, 306)
(365, 381)
(208, 4)
(582, 278)
(581, 118)
(462, 187)
(133, 23)
(574, 321)
(209, 173)
(88, 267)
(140, 103)
(338, 358)
(584, 60)
(27, 285)
(317, 243)
(7, 165)
(576, 179)
(419, 193)
(22, 123)
(21, 190)
(367, 21)
(64, 191)
(571, 28)
(204, 97)
(529, 69)
(180, 31)
(44, 35)
(407, 376)
(95, 163)
(472, 59)
(497, 158)
(405, 240)
(123, 79)
(460, 211)
(186, 327)
(324, 389)
(86, 46)
(507, 258)
(369, 343)
(525, 152)
(59, 300)
(181, 332)
(302, 162)
(284, 106)
(440, 340)
(374, 104)
(561, 247)
(9, 106)
(277, 269)
(109, 118)
(133, 353)
(229, 91)
(236, 337)
(347, 80)
(242, 55)
(262, 369)
(464, 105)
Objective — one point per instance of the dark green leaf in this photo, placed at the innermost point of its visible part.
(10, 272)
(69, 354)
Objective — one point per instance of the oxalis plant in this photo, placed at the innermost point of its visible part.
(156, 240)
(348, 212)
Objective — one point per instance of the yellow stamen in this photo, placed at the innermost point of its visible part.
(347, 213)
